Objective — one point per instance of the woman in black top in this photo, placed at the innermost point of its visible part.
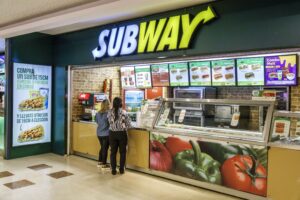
(119, 123)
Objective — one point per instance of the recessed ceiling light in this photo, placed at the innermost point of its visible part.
(161, 57)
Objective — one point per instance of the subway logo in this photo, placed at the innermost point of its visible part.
(172, 33)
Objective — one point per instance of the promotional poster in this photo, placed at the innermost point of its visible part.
(31, 104)
(281, 70)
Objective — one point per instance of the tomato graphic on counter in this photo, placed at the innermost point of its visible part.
(160, 158)
(244, 173)
(175, 145)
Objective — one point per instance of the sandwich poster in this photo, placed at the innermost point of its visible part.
(179, 74)
(223, 72)
(200, 73)
(281, 70)
(250, 71)
(31, 104)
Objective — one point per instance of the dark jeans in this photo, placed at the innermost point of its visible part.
(117, 140)
(104, 142)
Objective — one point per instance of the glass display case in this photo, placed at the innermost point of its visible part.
(285, 130)
(232, 120)
(148, 113)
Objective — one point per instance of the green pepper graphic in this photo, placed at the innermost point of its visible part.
(197, 165)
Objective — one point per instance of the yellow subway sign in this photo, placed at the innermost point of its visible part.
(165, 34)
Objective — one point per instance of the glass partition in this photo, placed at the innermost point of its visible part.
(248, 120)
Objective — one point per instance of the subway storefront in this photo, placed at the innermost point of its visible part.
(212, 91)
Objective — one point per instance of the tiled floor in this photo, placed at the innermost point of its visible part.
(87, 182)
(39, 167)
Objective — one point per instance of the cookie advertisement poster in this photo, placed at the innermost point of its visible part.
(31, 104)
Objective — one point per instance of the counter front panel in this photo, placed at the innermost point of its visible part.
(85, 143)
(220, 163)
(283, 173)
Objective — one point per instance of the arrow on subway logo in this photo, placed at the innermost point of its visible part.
(173, 33)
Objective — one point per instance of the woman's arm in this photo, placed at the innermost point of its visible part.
(127, 121)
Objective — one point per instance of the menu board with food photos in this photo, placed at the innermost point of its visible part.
(143, 76)
(179, 75)
(127, 77)
(160, 75)
(223, 72)
(250, 71)
(281, 70)
(200, 73)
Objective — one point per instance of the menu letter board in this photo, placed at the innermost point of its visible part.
(250, 71)
(223, 72)
(143, 76)
(127, 77)
(200, 73)
(160, 75)
(31, 104)
(179, 74)
(281, 70)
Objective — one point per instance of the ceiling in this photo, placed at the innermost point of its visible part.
(18, 17)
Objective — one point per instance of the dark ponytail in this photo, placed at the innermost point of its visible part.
(117, 104)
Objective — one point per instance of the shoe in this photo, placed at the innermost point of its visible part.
(122, 171)
(105, 166)
(100, 164)
(113, 172)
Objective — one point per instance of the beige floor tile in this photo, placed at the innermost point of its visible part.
(90, 183)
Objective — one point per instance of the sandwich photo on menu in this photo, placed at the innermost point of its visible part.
(218, 76)
(229, 76)
(249, 75)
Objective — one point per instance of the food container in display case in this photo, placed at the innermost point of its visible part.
(210, 155)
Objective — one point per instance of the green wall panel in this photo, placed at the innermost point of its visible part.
(58, 116)
(1, 133)
(34, 48)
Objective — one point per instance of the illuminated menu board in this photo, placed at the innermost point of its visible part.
(143, 76)
(179, 75)
(200, 73)
(160, 75)
(127, 77)
(250, 71)
(223, 72)
(281, 70)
